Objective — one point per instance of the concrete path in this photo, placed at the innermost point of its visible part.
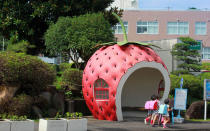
(134, 121)
(137, 124)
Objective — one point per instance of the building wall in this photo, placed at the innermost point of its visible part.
(132, 16)
(165, 52)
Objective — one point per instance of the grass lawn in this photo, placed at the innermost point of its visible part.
(199, 120)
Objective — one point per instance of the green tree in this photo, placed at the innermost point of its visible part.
(19, 47)
(189, 59)
(76, 37)
(29, 19)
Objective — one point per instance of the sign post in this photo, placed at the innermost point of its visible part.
(206, 95)
(180, 101)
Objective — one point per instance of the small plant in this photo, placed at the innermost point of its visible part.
(13, 117)
(80, 115)
(58, 116)
(68, 94)
(3, 116)
(75, 115)
(72, 78)
(68, 115)
(17, 118)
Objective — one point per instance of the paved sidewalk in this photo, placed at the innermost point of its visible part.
(134, 121)
(137, 124)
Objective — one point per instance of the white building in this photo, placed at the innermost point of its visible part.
(126, 4)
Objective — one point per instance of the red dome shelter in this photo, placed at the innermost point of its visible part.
(125, 74)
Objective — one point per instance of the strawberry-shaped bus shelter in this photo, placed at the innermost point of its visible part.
(123, 74)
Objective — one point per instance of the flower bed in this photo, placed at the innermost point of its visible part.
(4, 125)
(16, 123)
(52, 125)
(77, 124)
(26, 125)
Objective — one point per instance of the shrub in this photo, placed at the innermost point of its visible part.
(20, 105)
(4, 105)
(64, 66)
(55, 67)
(205, 66)
(180, 72)
(13, 117)
(19, 47)
(192, 83)
(175, 83)
(27, 72)
(74, 115)
(202, 76)
(72, 78)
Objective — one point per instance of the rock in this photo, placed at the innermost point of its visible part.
(47, 96)
(51, 89)
(37, 111)
(195, 111)
(52, 112)
(7, 92)
(58, 102)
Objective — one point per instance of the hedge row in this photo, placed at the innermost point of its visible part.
(25, 71)
(194, 84)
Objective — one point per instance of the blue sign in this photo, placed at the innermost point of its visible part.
(181, 83)
(207, 85)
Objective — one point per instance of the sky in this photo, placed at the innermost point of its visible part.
(174, 4)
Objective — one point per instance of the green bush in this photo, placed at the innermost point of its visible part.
(205, 66)
(175, 83)
(20, 105)
(64, 66)
(180, 72)
(72, 78)
(55, 67)
(192, 83)
(4, 105)
(202, 76)
(13, 117)
(25, 71)
(19, 47)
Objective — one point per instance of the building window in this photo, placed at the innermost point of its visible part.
(206, 53)
(147, 27)
(200, 28)
(118, 28)
(101, 89)
(178, 28)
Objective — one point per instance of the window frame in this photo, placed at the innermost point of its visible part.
(116, 27)
(103, 89)
(147, 25)
(200, 26)
(206, 53)
(178, 25)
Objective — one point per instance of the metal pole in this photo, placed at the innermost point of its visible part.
(205, 109)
